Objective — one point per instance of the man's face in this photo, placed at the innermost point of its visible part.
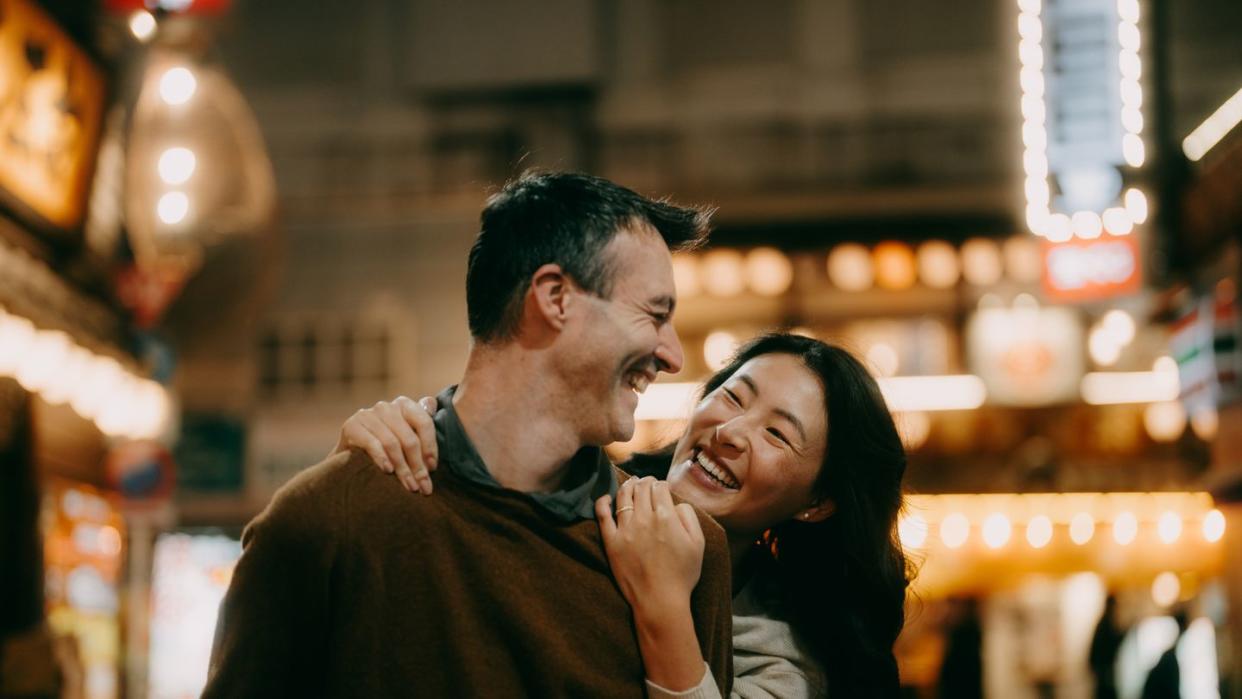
(619, 344)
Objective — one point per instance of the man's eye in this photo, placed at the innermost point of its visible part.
(777, 433)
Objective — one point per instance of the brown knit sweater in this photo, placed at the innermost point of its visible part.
(351, 586)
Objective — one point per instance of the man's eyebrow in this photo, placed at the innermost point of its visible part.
(793, 419)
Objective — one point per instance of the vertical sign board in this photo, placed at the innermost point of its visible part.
(1083, 104)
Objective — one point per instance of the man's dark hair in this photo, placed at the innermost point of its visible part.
(565, 219)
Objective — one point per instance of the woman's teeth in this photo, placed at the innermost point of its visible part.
(717, 472)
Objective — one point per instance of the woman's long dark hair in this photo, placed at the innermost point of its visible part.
(841, 582)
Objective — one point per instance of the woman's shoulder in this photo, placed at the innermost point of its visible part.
(767, 654)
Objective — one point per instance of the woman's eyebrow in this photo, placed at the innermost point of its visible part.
(793, 419)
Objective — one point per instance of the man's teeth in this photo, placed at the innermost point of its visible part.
(718, 474)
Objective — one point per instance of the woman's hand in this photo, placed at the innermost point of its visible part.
(655, 550)
(400, 437)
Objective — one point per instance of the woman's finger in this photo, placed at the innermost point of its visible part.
(690, 520)
(355, 434)
(625, 501)
(603, 513)
(392, 447)
(661, 500)
(642, 498)
(411, 448)
(418, 417)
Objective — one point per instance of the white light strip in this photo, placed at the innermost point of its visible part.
(1214, 128)
(932, 393)
(673, 401)
(50, 364)
(1117, 387)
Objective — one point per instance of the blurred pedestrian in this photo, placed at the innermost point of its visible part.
(1165, 679)
(1105, 644)
(961, 672)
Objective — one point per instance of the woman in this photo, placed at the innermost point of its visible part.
(794, 452)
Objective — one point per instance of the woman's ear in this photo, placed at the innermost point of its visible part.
(817, 512)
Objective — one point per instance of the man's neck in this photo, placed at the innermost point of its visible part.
(512, 416)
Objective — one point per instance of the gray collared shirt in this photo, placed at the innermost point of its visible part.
(590, 475)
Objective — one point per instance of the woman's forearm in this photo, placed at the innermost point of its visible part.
(669, 645)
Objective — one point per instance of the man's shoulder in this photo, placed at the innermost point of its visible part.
(329, 495)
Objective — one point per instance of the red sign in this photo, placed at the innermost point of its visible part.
(1091, 270)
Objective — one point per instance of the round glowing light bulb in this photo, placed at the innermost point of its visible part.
(1117, 221)
(1039, 531)
(954, 530)
(849, 267)
(996, 530)
(718, 349)
(1136, 205)
(1082, 528)
(1120, 325)
(1103, 347)
(938, 264)
(176, 165)
(1169, 527)
(142, 25)
(1205, 423)
(981, 262)
(1060, 228)
(1165, 421)
(173, 207)
(1133, 150)
(1087, 225)
(686, 275)
(1165, 589)
(1213, 526)
(1125, 529)
(768, 271)
(723, 272)
(178, 85)
(912, 531)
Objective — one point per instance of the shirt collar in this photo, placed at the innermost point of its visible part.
(591, 475)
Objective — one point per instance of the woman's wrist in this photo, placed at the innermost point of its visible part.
(669, 644)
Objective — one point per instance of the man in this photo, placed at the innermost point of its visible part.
(499, 584)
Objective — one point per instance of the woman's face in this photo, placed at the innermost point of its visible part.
(754, 446)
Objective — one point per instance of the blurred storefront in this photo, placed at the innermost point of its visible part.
(103, 225)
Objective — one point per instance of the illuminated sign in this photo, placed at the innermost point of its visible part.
(1026, 355)
(1087, 270)
(1082, 117)
(51, 107)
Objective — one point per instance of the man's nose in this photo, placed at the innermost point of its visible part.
(668, 354)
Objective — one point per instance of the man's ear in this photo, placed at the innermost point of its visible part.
(548, 296)
(817, 512)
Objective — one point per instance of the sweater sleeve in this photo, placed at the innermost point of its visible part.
(705, 689)
(271, 636)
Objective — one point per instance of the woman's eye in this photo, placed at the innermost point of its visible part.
(777, 433)
(732, 396)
